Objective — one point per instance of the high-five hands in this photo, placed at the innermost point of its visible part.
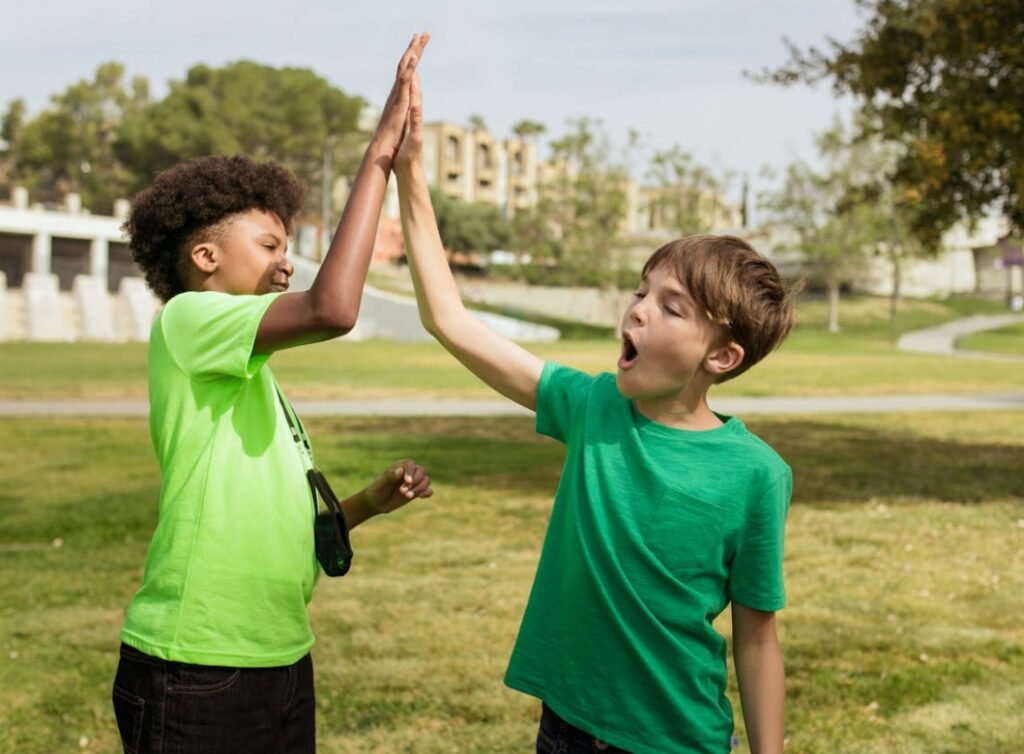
(395, 116)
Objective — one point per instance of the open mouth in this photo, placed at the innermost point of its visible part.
(629, 353)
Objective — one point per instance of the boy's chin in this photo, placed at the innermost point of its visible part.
(625, 384)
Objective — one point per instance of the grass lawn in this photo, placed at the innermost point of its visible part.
(1008, 340)
(862, 360)
(905, 569)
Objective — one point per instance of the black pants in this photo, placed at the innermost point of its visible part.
(556, 736)
(175, 708)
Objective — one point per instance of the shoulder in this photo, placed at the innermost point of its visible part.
(768, 468)
(605, 386)
(190, 304)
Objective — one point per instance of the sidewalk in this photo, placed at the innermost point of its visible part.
(941, 340)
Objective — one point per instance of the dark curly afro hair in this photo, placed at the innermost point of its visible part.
(186, 204)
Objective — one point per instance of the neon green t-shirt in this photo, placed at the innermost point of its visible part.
(653, 531)
(231, 566)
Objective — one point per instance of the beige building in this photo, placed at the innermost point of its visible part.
(472, 166)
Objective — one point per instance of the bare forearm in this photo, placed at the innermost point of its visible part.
(357, 509)
(505, 366)
(337, 291)
(436, 292)
(762, 683)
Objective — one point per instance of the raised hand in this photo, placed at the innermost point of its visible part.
(411, 151)
(395, 115)
(402, 482)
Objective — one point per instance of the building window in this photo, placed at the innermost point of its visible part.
(453, 148)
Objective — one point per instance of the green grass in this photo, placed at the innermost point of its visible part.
(862, 360)
(1005, 340)
(905, 562)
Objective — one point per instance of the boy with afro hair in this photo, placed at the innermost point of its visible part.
(215, 644)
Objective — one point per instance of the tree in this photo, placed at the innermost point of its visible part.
(10, 128)
(573, 233)
(477, 123)
(469, 227)
(945, 80)
(687, 195)
(526, 129)
(70, 146)
(289, 114)
(837, 214)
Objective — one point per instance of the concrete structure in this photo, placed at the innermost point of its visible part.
(61, 267)
(387, 315)
(969, 262)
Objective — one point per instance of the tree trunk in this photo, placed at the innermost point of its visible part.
(897, 279)
(833, 305)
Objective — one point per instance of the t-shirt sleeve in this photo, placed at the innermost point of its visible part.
(561, 392)
(755, 579)
(211, 334)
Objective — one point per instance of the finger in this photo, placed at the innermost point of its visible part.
(409, 468)
(408, 63)
(411, 50)
(417, 476)
(397, 470)
(415, 101)
(422, 487)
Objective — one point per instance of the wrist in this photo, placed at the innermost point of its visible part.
(358, 508)
(409, 169)
(380, 147)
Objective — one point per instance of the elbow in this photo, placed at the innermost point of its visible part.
(431, 327)
(337, 321)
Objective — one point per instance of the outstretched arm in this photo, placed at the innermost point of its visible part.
(331, 306)
(761, 677)
(505, 366)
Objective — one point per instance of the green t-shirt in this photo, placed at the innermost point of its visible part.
(653, 531)
(231, 566)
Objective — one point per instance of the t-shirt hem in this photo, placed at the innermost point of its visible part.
(224, 659)
(770, 605)
(615, 738)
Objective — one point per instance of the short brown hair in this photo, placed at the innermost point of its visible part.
(740, 290)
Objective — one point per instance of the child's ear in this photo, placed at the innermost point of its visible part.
(204, 258)
(724, 358)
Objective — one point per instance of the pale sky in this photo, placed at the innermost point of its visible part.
(673, 70)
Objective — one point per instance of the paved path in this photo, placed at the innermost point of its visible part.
(941, 340)
(419, 407)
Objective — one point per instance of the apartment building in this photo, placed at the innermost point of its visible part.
(471, 165)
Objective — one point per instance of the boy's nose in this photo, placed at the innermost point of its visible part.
(287, 267)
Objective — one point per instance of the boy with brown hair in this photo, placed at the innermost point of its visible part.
(666, 511)
(215, 644)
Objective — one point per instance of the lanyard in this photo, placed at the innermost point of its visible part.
(298, 431)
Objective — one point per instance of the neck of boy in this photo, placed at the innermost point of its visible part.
(680, 412)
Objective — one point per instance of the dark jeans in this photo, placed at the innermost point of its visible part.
(175, 708)
(556, 736)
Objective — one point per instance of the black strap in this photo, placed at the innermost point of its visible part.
(298, 432)
(317, 481)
